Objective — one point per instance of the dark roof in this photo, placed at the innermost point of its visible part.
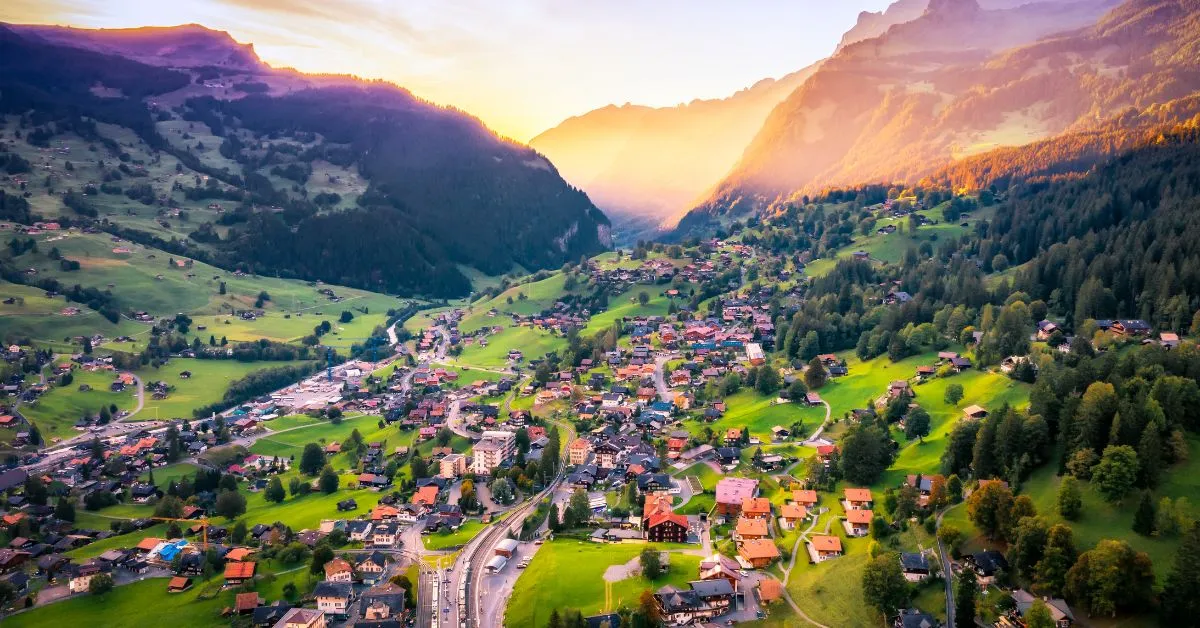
(333, 589)
(12, 478)
(712, 588)
(989, 562)
(611, 620)
(911, 561)
(913, 618)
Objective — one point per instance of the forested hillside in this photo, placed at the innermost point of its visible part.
(350, 182)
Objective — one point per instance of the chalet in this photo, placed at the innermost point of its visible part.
(805, 498)
(1168, 340)
(758, 552)
(1045, 329)
(371, 567)
(791, 514)
(915, 566)
(914, 618)
(179, 584)
(813, 399)
(780, 433)
(987, 565)
(756, 508)
(1134, 327)
(900, 389)
(1060, 611)
(960, 363)
(925, 372)
(703, 600)
(858, 499)
(747, 529)
(733, 436)
(607, 455)
(858, 522)
(384, 534)
(239, 572)
(333, 598)
(667, 528)
(81, 575)
(822, 548)
(339, 570)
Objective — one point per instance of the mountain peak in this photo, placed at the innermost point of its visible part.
(952, 8)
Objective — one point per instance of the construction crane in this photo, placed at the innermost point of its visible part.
(203, 521)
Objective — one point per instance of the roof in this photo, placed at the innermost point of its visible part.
(336, 566)
(805, 496)
(770, 589)
(793, 511)
(858, 495)
(758, 548)
(914, 561)
(326, 588)
(751, 527)
(827, 543)
(862, 517)
(245, 601)
(239, 570)
(756, 505)
(734, 490)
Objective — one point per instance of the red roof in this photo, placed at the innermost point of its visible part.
(239, 571)
(659, 519)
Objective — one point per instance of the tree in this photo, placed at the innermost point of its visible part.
(1116, 472)
(100, 584)
(328, 481)
(768, 380)
(951, 536)
(1038, 616)
(954, 394)
(502, 491)
(866, 452)
(322, 554)
(169, 507)
(1070, 498)
(230, 504)
(444, 436)
(916, 424)
(312, 459)
(884, 586)
(238, 534)
(1058, 555)
(643, 298)
(989, 508)
(651, 562)
(1181, 594)
(965, 591)
(35, 490)
(1144, 516)
(274, 492)
(1029, 544)
(815, 375)
(65, 509)
(1111, 577)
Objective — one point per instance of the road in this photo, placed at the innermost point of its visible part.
(816, 436)
(947, 572)
(660, 381)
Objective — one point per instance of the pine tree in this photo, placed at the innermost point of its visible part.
(1143, 518)
(1181, 595)
(964, 598)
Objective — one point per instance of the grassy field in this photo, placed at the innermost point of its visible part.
(627, 305)
(569, 573)
(438, 541)
(528, 298)
(163, 476)
(207, 384)
(56, 412)
(758, 413)
(147, 603)
(532, 343)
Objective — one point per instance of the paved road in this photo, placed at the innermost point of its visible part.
(947, 572)
(660, 383)
(817, 434)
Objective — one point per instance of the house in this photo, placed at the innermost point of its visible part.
(1168, 340)
(805, 498)
(925, 372)
(607, 455)
(960, 363)
(268, 616)
(822, 548)
(813, 399)
(858, 522)
(756, 508)
(732, 492)
(302, 618)
(987, 565)
(667, 527)
(780, 433)
(347, 505)
(81, 575)
(426, 495)
(975, 412)
(758, 552)
(371, 567)
(245, 603)
(900, 389)
(333, 598)
(339, 570)
(385, 534)
(858, 499)
(358, 530)
(239, 572)
(1135, 327)
(791, 514)
(748, 529)
(179, 584)
(915, 566)
(1060, 611)
(679, 607)
(914, 618)
(754, 353)
(1045, 329)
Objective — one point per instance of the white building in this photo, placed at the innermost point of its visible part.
(492, 450)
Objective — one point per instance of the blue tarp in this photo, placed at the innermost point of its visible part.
(169, 551)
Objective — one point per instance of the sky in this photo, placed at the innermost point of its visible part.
(522, 66)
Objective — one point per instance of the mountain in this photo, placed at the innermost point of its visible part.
(352, 182)
(650, 163)
(187, 46)
(958, 81)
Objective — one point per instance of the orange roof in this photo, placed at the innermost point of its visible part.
(756, 506)
(793, 511)
(805, 497)
(758, 548)
(827, 543)
(148, 543)
(770, 590)
(658, 519)
(580, 443)
(246, 601)
(862, 517)
(239, 553)
(383, 512)
(858, 495)
(235, 570)
(178, 582)
(336, 566)
(656, 503)
(751, 527)
(426, 495)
